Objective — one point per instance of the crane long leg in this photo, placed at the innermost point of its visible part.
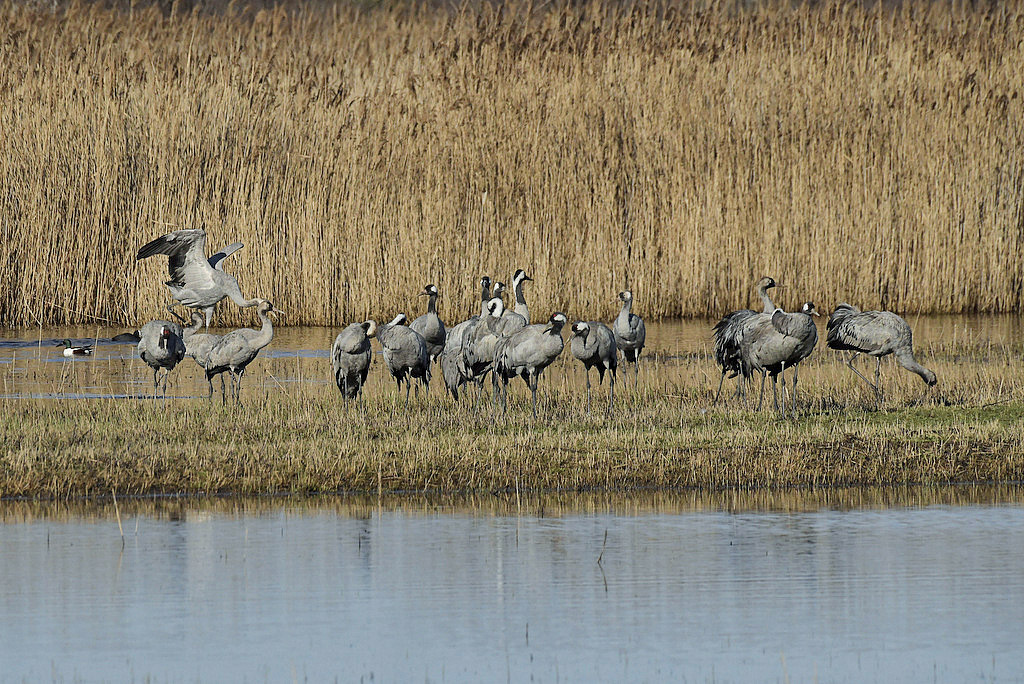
(775, 390)
(611, 394)
(721, 381)
(533, 390)
(854, 369)
(795, 371)
(587, 372)
(764, 378)
(782, 374)
(878, 383)
(407, 383)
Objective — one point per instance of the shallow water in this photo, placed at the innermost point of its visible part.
(911, 585)
(31, 365)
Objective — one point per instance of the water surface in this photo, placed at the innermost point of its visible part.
(861, 586)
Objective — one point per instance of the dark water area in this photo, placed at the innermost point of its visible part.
(908, 586)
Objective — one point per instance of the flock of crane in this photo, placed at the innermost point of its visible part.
(498, 341)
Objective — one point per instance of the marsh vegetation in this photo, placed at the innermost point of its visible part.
(293, 432)
(862, 152)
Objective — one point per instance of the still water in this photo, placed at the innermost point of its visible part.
(862, 586)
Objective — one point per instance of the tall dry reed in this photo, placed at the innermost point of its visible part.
(854, 153)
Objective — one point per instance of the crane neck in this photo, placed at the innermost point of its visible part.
(266, 333)
(432, 304)
(626, 308)
(485, 296)
(769, 306)
(905, 357)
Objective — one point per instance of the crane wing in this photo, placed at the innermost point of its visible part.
(182, 247)
(223, 254)
(787, 324)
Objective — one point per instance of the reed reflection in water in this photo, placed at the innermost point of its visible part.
(866, 585)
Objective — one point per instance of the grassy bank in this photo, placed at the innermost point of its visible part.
(298, 446)
(852, 151)
(292, 433)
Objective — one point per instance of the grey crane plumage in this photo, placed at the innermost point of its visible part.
(237, 349)
(878, 334)
(527, 352)
(728, 334)
(405, 354)
(161, 348)
(199, 345)
(479, 352)
(593, 343)
(630, 333)
(196, 281)
(350, 357)
(451, 358)
(429, 325)
(771, 344)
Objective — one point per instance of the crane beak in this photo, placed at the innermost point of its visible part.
(278, 312)
(816, 313)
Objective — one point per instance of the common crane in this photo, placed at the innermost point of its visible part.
(878, 334)
(593, 343)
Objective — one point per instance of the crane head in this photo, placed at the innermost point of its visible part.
(496, 307)
(556, 322)
(580, 328)
(808, 308)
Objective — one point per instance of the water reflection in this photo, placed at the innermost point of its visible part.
(854, 585)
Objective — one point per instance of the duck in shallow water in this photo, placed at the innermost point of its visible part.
(76, 350)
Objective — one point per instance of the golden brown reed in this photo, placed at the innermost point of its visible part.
(855, 153)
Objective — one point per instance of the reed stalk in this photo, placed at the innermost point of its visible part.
(862, 152)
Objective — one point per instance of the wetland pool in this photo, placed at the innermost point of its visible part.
(864, 585)
(32, 366)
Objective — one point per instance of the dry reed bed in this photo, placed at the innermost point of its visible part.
(299, 437)
(854, 153)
